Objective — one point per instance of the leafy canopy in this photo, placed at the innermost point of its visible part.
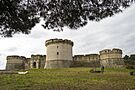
(21, 15)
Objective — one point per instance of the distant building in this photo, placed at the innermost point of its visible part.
(59, 55)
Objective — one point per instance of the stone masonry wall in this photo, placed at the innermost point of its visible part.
(59, 53)
(37, 61)
(15, 63)
(89, 60)
(111, 58)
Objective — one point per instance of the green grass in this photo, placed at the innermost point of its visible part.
(69, 79)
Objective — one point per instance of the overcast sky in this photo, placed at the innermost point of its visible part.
(113, 32)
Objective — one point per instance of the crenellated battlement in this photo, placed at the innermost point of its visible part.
(53, 41)
(92, 55)
(115, 50)
(15, 57)
(105, 51)
(109, 51)
(87, 57)
(111, 57)
(38, 56)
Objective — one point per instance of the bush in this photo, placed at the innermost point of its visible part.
(130, 66)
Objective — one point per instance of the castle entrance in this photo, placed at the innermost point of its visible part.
(34, 64)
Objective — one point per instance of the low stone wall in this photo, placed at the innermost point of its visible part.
(88, 60)
(85, 64)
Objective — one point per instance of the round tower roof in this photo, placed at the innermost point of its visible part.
(53, 41)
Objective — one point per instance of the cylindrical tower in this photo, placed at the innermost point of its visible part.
(111, 58)
(59, 53)
(116, 53)
(105, 54)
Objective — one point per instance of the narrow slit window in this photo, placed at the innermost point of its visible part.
(57, 53)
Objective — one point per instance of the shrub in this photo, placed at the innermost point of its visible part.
(130, 66)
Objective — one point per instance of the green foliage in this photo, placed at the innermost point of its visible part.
(17, 16)
(21, 15)
(69, 79)
(129, 61)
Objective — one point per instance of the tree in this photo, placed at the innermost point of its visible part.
(132, 59)
(21, 15)
(129, 60)
(17, 16)
(126, 59)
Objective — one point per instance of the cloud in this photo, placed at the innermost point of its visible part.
(12, 49)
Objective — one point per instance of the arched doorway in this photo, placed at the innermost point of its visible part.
(34, 64)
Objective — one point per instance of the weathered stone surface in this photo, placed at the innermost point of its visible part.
(58, 64)
(37, 61)
(88, 60)
(59, 55)
(111, 58)
(15, 63)
(21, 62)
(58, 49)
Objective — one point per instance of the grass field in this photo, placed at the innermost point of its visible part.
(69, 79)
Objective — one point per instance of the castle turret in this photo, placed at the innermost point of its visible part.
(111, 58)
(59, 53)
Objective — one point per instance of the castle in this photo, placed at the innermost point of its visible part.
(59, 55)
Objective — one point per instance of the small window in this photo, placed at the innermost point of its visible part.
(57, 46)
(57, 53)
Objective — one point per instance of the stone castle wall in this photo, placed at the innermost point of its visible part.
(59, 53)
(37, 61)
(107, 58)
(21, 63)
(89, 60)
(15, 63)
